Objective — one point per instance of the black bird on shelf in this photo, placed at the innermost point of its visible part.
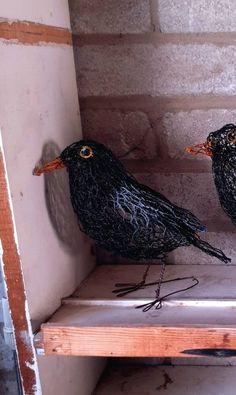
(123, 216)
(221, 147)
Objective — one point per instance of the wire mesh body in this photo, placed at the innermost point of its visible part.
(224, 170)
(124, 216)
(223, 147)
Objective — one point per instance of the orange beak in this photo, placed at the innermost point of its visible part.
(53, 165)
(204, 149)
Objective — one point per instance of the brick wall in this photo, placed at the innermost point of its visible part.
(161, 75)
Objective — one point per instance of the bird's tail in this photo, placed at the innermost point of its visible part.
(208, 249)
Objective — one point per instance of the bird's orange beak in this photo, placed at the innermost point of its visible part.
(53, 165)
(204, 149)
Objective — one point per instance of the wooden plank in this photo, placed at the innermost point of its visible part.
(215, 281)
(148, 341)
(104, 329)
(15, 288)
(94, 322)
(125, 314)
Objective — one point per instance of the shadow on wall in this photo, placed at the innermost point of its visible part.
(58, 203)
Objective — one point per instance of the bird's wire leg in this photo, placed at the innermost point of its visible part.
(158, 302)
(168, 281)
(126, 288)
(163, 268)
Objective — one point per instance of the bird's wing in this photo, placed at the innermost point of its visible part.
(190, 220)
(171, 214)
(228, 175)
(225, 180)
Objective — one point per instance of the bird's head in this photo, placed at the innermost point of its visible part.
(220, 142)
(83, 153)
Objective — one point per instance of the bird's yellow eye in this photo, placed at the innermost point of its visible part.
(231, 137)
(86, 152)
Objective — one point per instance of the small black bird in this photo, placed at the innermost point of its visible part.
(221, 147)
(120, 214)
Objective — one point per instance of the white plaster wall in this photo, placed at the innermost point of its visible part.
(50, 12)
(38, 103)
(78, 376)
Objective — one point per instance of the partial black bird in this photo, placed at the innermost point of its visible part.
(121, 215)
(221, 147)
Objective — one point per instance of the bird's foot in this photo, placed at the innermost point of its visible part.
(148, 306)
(126, 288)
(158, 302)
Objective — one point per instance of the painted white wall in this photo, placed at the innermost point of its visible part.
(38, 103)
(78, 375)
(50, 12)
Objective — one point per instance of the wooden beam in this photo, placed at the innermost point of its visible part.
(15, 288)
(94, 322)
(132, 341)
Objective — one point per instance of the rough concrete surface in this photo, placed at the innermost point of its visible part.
(121, 131)
(110, 16)
(168, 69)
(197, 16)
(152, 132)
(192, 127)
(167, 380)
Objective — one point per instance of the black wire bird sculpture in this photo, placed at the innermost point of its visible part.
(123, 216)
(221, 147)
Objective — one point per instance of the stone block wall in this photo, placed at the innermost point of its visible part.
(160, 75)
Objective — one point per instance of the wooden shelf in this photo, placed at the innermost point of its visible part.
(94, 322)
